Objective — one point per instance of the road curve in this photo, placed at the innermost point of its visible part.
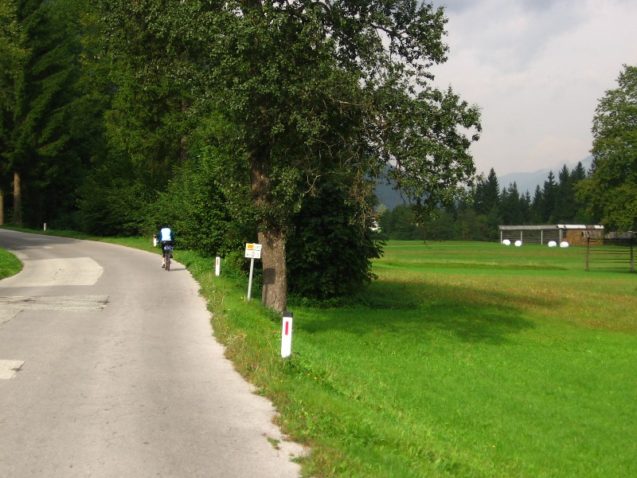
(108, 369)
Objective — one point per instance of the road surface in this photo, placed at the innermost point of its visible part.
(108, 368)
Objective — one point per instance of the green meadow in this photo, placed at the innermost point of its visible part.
(461, 359)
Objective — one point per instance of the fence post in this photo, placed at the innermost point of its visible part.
(588, 251)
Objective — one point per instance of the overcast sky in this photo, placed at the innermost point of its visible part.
(536, 69)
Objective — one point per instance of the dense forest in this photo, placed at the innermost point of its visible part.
(477, 214)
(264, 121)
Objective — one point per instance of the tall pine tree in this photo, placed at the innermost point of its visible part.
(45, 166)
(12, 56)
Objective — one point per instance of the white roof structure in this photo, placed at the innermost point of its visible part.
(544, 227)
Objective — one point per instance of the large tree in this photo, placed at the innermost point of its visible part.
(324, 86)
(611, 190)
(311, 89)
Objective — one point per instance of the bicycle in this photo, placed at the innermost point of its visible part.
(167, 249)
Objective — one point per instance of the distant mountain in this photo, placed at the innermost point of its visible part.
(529, 181)
(390, 197)
(387, 195)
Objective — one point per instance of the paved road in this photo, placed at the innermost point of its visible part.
(108, 369)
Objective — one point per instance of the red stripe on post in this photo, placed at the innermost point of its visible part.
(287, 327)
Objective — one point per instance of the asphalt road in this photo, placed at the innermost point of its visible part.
(108, 368)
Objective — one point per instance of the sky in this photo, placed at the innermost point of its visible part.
(536, 69)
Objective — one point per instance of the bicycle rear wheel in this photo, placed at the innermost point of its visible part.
(167, 260)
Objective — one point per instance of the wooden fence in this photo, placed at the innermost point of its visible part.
(613, 253)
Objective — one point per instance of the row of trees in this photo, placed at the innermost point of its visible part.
(607, 194)
(235, 121)
(476, 216)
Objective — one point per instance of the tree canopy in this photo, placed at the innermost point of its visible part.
(611, 191)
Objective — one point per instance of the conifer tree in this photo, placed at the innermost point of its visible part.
(42, 158)
(12, 55)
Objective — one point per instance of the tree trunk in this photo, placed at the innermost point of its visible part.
(17, 199)
(272, 238)
(275, 284)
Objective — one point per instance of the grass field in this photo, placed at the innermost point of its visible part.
(462, 359)
(9, 264)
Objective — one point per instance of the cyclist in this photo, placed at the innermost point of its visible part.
(165, 237)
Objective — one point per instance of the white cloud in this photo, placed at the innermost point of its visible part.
(536, 69)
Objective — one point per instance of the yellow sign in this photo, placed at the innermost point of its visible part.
(253, 251)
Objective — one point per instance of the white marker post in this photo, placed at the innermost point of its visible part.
(217, 266)
(44, 227)
(253, 251)
(286, 335)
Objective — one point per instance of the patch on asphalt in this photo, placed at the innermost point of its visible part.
(9, 368)
(70, 303)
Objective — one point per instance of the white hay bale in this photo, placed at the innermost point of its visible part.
(518, 243)
(563, 244)
(552, 244)
(506, 242)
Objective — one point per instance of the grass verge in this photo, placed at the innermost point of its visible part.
(9, 264)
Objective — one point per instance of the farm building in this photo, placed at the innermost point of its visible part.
(574, 234)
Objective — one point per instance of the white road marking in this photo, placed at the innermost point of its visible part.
(9, 368)
(56, 272)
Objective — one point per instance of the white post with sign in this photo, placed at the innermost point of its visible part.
(253, 251)
(217, 266)
(286, 335)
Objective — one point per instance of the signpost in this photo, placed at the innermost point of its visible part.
(253, 251)
(286, 335)
(217, 266)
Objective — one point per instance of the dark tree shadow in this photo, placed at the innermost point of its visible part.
(18, 241)
(470, 314)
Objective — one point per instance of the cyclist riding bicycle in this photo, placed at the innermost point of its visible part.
(165, 237)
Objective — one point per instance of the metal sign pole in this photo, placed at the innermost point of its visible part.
(250, 279)
(252, 252)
